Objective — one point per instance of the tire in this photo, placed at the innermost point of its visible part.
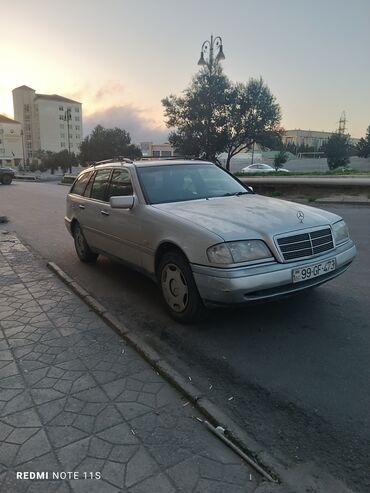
(82, 248)
(6, 179)
(178, 288)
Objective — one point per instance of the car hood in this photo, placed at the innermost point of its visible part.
(248, 216)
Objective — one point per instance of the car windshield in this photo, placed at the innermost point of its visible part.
(180, 182)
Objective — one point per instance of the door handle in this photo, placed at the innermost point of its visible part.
(105, 213)
(81, 206)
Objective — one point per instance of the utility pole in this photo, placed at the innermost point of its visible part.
(67, 117)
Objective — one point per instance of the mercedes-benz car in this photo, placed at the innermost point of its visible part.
(205, 237)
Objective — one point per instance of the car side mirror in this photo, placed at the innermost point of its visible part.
(122, 202)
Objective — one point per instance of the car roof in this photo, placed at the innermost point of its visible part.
(145, 163)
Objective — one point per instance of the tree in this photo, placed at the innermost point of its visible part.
(253, 117)
(280, 159)
(337, 150)
(105, 143)
(54, 160)
(199, 115)
(214, 115)
(363, 147)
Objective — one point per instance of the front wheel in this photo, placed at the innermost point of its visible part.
(178, 288)
(82, 248)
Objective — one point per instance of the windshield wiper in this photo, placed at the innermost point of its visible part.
(234, 194)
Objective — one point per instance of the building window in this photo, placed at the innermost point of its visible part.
(62, 136)
(62, 144)
(61, 117)
(27, 108)
(62, 126)
(166, 154)
(78, 136)
(77, 127)
(61, 108)
(156, 153)
(77, 118)
(77, 110)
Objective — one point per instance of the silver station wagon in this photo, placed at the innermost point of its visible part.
(203, 235)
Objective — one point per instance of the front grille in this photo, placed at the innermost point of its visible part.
(306, 244)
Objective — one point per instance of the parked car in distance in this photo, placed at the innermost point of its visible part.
(6, 175)
(205, 237)
(261, 168)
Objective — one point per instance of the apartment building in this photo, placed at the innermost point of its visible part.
(11, 152)
(50, 122)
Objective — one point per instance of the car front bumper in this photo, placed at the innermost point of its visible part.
(268, 281)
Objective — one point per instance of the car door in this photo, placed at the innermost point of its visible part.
(96, 209)
(122, 225)
(76, 200)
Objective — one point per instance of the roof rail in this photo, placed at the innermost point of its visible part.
(114, 160)
(171, 158)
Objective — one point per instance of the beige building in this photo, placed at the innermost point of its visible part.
(157, 150)
(11, 152)
(50, 122)
(311, 138)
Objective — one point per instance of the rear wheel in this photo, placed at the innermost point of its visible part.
(6, 179)
(178, 288)
(82, 248)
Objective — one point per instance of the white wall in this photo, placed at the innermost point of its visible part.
(10, 141)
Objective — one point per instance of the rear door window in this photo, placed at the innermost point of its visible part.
(100, 185)
(80, 184)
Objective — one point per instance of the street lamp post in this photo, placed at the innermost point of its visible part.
(67, 117)
(207, 52)
(24, 159)
(207, 59)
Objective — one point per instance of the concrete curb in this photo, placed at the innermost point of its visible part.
(216, 416)
(342, 202)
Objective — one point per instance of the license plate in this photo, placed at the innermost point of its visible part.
(311, 271)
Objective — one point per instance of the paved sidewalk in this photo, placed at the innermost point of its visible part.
(75, 397)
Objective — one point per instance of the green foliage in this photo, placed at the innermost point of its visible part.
(363, 147)
(214, 115)
(337, 150)
(280, 159)
(106, 143)
(54, 160)
(199, 115)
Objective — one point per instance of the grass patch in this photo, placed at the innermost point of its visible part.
(311, 199)
(276, 193)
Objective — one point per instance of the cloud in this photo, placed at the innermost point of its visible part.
(130, 118)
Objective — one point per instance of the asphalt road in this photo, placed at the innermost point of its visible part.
(298, 370)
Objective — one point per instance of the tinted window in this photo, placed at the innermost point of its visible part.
(100, 185)
(80, 184)
(175, 183)
(120, 184)
(89, 187)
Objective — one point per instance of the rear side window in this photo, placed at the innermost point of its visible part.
(80, 184)
(120, 184)
(100, 185)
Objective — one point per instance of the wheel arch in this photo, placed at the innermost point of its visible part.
(166, 246)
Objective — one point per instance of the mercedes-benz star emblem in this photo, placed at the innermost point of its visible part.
(300, 216)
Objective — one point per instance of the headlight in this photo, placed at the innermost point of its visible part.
(340, 232)
(238, 251)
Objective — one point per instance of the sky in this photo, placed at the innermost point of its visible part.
(120, 58)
